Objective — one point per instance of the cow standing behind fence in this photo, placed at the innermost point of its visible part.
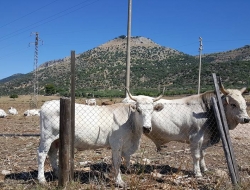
(192, 120)
(118, 126)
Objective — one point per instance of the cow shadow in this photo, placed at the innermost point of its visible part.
(29, 176)
(99, 172)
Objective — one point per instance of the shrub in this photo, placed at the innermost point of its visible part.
(13, 96)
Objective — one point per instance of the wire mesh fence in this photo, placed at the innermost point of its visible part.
(97, 127)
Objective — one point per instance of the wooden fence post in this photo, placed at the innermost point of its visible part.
(64, 142)
(72, 139)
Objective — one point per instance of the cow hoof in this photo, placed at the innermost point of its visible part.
(204, 169)
(42, 181)
(199, 175)
(121, 184)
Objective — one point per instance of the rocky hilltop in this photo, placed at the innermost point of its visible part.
(103, 69)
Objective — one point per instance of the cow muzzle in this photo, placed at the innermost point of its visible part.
(246, 120)
(147, 130)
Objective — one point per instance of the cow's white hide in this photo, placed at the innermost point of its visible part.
(91, 101)
(191, 120)
(118, 126)
(32, 112)
(13, 111)
(2, 113)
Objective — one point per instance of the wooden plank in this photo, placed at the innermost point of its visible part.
(64, 139)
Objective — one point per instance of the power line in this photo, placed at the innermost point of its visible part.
(29, 27)
(27, 14)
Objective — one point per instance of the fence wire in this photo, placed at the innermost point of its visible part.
(97, 127)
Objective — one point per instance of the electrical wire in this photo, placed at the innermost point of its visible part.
(27, 14)
(34, 25)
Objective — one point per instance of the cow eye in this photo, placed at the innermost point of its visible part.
(233, 105)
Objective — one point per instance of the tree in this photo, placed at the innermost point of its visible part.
(50, 89)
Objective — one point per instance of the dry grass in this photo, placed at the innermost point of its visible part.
(168, 169)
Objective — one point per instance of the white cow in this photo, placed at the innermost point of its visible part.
(13, 111)
(118, 126)
(32, 112)
(2, 113)
(192, 120)
(91, 101)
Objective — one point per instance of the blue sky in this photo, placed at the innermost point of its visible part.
(81, 25)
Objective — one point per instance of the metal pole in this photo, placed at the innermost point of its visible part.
(35, 81)
(199, 80)
(128, 46)
(232, 165)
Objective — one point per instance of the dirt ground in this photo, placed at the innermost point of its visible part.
(169, 169)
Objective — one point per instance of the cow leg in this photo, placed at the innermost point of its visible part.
(116, 160)
(41, 154)
(157, 144)
(202, 163)
(195, 152)
(53, 156)
(127, 160)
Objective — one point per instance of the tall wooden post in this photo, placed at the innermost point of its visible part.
(64, 141)
(72, 139)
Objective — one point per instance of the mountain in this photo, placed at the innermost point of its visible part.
(102, 70)
(240, 54)
(12, 77)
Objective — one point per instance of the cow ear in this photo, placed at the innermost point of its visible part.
(158, 107)
(133, 107)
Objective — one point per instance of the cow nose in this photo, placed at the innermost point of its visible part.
(246, 120)
(147, 129)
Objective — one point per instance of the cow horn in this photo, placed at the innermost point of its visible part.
(159, 97)
(243, 90)
(222, 89)
(131, 97)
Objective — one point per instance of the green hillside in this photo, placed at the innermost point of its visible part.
(101, 71)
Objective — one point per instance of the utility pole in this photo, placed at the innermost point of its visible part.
(200, 50)
(35, 78)
(128, 46)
